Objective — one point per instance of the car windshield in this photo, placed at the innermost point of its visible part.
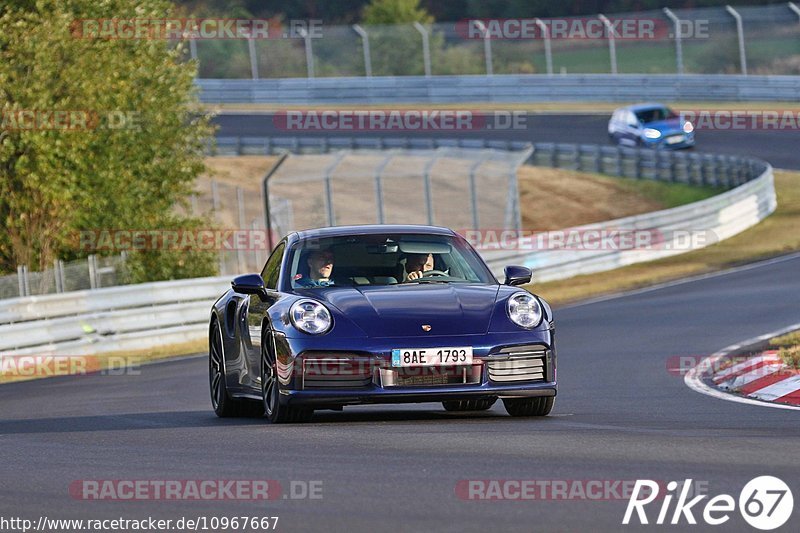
(384, 259)
(655, 114)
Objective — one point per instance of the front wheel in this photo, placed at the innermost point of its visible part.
(224, 405)
(481, 404)
(529, 406)
(270, 391)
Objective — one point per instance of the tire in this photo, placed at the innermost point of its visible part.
(481, 404)
(529, 406)
(223, 404)
(276, 412)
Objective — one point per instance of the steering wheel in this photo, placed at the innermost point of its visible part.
(434, 273)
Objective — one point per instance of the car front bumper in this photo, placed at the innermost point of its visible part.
(504, 366)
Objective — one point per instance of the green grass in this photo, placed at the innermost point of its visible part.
(669, 194)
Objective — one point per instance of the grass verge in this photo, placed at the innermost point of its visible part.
(776, 235)
(788, 347)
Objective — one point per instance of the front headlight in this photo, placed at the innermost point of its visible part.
(650, 133)
(688, 127)
(524, 310)
(310, 316)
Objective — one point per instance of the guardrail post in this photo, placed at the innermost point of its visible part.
(251, 50)
(426, 48)
(487, 46)
(379, 187)
(678, 44)
(612, 44)
(365, 46)
(309, 51)
(548, 52)
(740, 31)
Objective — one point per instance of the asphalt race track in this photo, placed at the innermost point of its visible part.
(620, 415)
(779, 147)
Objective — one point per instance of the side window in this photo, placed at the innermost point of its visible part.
(273, 268)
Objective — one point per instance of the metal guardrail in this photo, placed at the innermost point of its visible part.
(148, 315)
(695, 168)
(109, 319)
(502, 88)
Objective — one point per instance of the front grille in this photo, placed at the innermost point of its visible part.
(423, 376)
(518, 364)
(332, 372)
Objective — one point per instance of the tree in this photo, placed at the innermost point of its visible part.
(133, 147)
(395, 12)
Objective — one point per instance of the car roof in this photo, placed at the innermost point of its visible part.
(642, 107)
(371, 229)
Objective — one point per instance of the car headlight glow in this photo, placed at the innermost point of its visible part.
(651, 133)
(524, 310)
(310, 317)
(688, 127)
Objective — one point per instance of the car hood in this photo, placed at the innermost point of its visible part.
(666, 126)
(402, 310)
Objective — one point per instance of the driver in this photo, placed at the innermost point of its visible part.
(417, 265)
(320, 266)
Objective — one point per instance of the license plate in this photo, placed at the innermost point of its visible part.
(675, 139)
(432, 356)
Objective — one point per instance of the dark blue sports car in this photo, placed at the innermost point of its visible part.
(379, 314)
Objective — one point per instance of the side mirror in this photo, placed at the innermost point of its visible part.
(249, 284)
(517, 275)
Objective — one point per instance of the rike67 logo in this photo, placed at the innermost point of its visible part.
(765, 503)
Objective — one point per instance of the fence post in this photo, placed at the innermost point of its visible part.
(251, 49)
(193, 48)
(426, 48)
(796, 9)
(242, 226)
(309, 51)
(214, 196)
(678, 43)
(365, 45)
(57, 277)
(92, 271)
(329, 187)
(487, 46)
(265, 198)
(612, 44)
(21, 273)
(427, 182)
(548, 52)
(740, 31)
(473, 193)
(379, 186)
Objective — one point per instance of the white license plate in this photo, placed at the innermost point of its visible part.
(674, 140)
(461, 355)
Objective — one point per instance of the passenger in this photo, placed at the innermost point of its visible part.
(417, 265)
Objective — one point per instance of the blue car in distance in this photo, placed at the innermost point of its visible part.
(354, 315)
(650, 125)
